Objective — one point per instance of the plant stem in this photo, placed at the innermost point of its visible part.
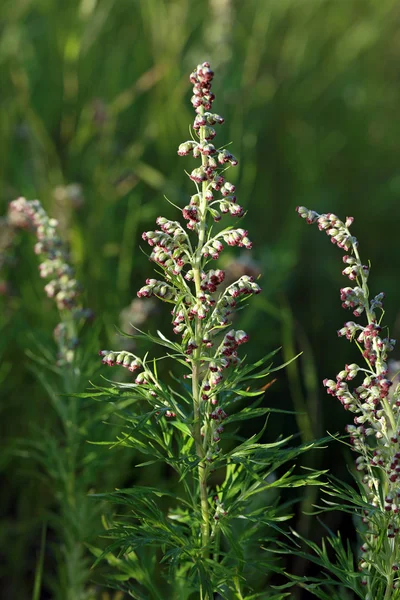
(202, 469)
(74, 570)
(388, 409)
(389, 588)
(201, 452)
(370, 318)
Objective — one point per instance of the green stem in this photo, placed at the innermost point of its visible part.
(202, 468)
(75, 570)
(371, 319)
(201, 452)
(388, 410)
(389, 588)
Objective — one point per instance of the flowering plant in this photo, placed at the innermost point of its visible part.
(224, 504)
(374, 434)
(61, 457)
(63, 287)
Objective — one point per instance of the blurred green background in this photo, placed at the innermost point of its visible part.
(94, 103)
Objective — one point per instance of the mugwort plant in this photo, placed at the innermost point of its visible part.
(65, 463)
(374, 434)
(63, 286)
(224, 505)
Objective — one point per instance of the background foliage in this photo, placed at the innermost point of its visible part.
(95, 93)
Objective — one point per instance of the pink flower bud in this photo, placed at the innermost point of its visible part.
(241, 337)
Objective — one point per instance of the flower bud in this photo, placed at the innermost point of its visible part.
(241, 337)
(109, 359)
(185, 148)
(209, 132)
(309, 215)
(140, 379)
(134, 365)
(215, 214)
(198, 175)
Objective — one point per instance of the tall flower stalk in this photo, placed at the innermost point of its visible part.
(375, 433)
(63, 286)
(185, 428)
(62, 452)
(204, 329)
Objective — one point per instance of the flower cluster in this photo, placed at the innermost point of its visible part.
(211, 432)
(375, 434)
(219, 509)
(201, 304)
(144, 376)
(62, 287)
(123, 358)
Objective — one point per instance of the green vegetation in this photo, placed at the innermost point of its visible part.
(94, 103)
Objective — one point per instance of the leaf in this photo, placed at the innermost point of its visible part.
(161, 340)
(247, 413)
(39, 567)
(182, 427)
(166, 340)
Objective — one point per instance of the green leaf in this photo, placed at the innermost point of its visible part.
(182, 427)
(39, 567)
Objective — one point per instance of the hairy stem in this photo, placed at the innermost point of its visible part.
(202, 468)
(370, 318)
(75, 568)
(389, 588)
(201, 452)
